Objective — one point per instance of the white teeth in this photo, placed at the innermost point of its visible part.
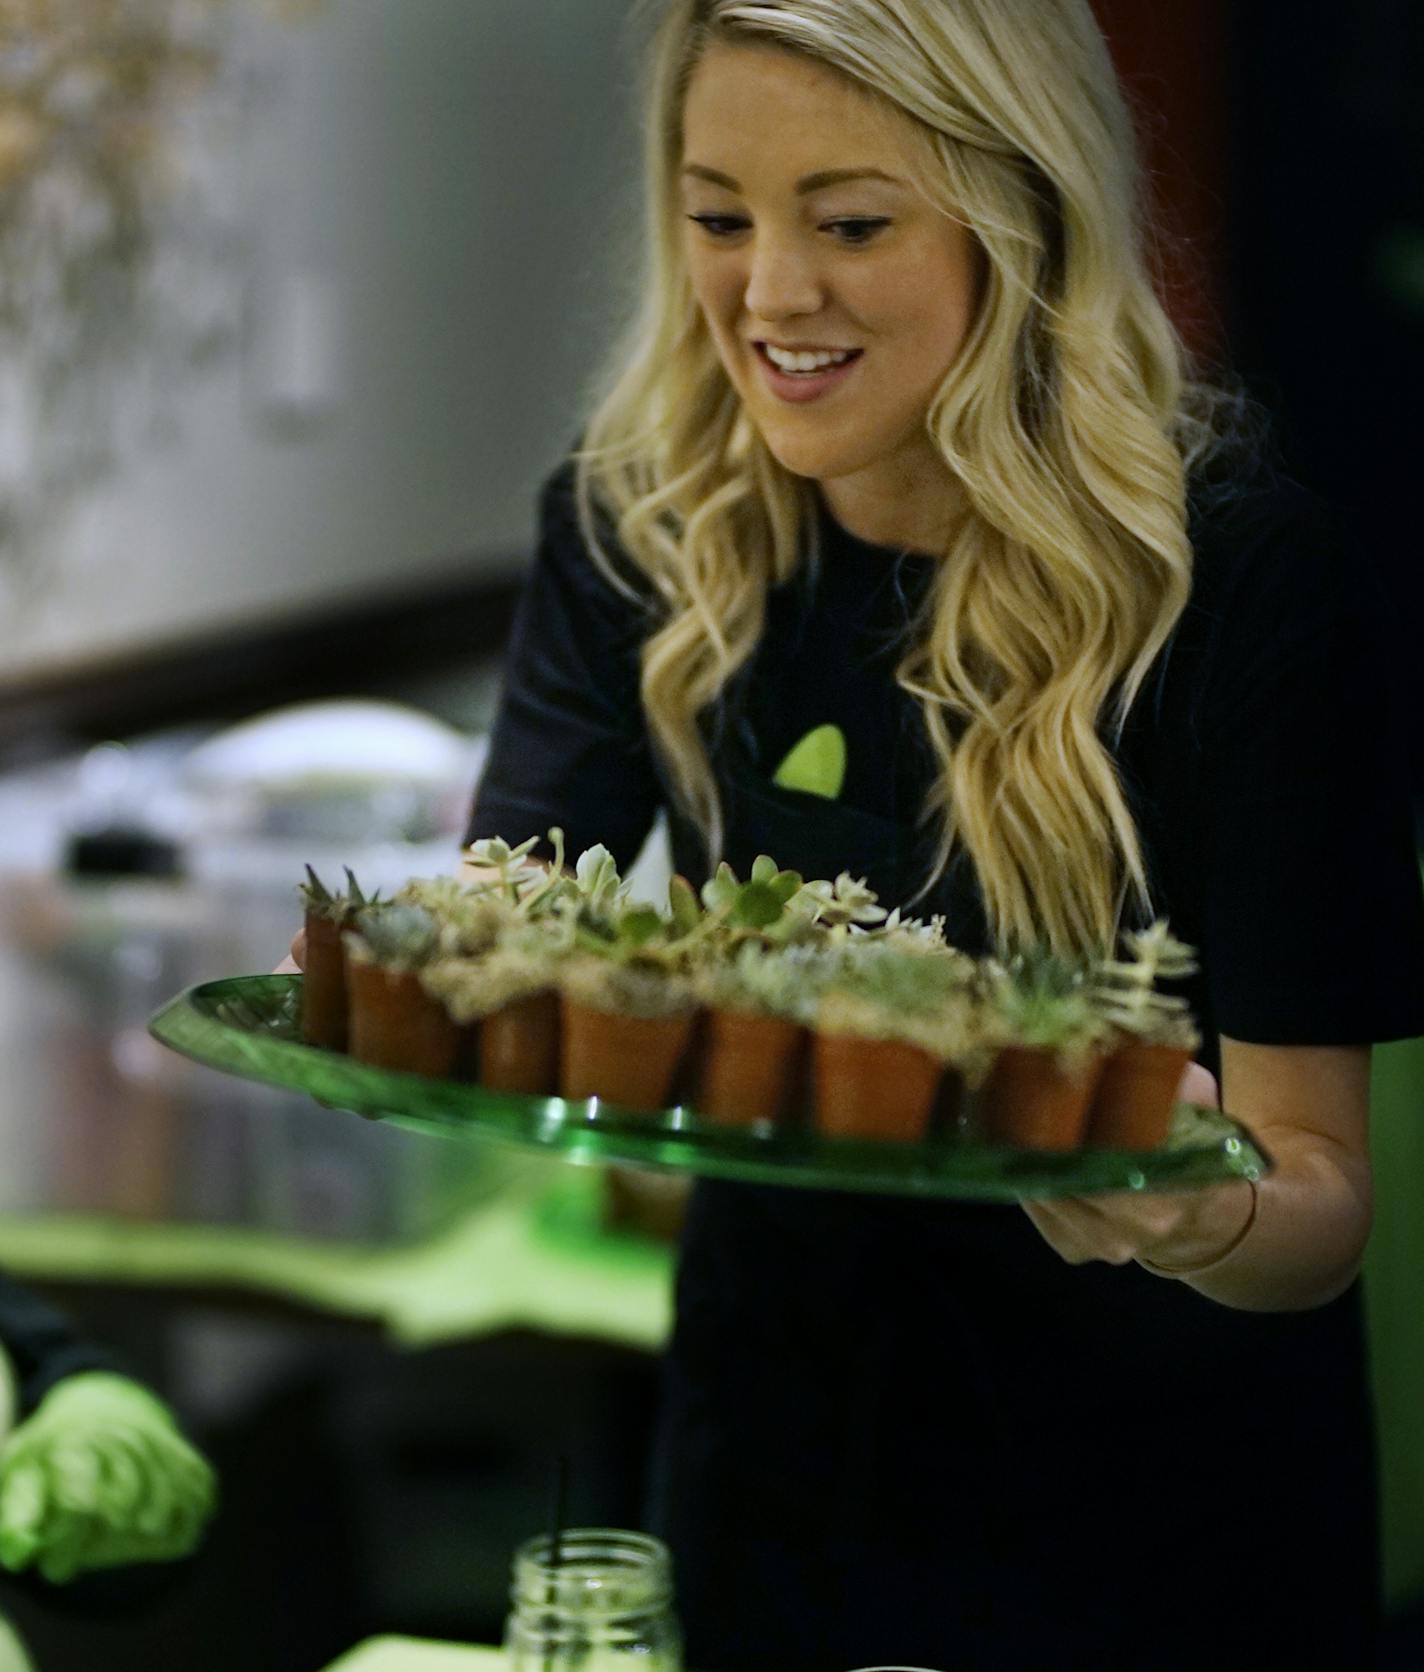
(806, 362)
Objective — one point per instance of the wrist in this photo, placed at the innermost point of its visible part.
(1190, 1263)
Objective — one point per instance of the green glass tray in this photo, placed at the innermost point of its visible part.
(248, 1025)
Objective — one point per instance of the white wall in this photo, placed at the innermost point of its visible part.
(459, 179)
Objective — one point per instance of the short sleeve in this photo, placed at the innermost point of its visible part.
(569, 745)
(1314, 926)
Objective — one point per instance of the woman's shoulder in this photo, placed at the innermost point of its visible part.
(1284, 596)
(1255, 517)
(612, 581)
(1267, 549)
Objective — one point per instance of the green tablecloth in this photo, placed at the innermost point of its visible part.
(534, 1257)
(409, 1654)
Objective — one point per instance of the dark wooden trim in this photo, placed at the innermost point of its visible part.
(345, 649)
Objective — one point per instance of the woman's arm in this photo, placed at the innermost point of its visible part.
(1309, 1104)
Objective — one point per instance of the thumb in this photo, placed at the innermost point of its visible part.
(1198, 1085)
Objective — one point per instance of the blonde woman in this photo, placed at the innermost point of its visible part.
(1091, 657)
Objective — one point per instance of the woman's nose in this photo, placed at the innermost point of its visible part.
(781, 282)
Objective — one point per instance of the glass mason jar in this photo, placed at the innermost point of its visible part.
(607, 1606)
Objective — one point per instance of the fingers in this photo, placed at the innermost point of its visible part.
(1078, 1234)
(1198, 1085)
(125, 1479)
(1115, 1228)
(129, 1494)
(24, 1497)
(296, 961)
(74, 1476)
(70, 1538)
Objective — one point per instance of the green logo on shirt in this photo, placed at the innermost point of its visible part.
(816, 765)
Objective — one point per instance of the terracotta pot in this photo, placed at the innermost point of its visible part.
(749, 1067)
(396, 1024)
(872, 1088)
(1132, 1105)
(625, 1060)
(1030, 1102)
(519, 1046)
(324, 1011)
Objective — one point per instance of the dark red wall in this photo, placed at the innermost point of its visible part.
(1172, 58)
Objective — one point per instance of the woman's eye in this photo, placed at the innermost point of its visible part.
(857, 231)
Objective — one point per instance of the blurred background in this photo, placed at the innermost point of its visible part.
(297, 305)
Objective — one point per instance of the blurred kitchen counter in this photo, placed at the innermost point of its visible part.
(124, 1163)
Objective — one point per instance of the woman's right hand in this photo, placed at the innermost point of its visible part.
(296, 960)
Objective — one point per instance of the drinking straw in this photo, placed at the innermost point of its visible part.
(561, 1500)
(556, 1540)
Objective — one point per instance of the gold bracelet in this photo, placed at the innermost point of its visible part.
(1216, 1259)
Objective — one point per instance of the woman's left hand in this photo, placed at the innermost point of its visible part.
(1186, 1228)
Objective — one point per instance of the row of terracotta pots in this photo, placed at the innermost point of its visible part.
(736, 1068)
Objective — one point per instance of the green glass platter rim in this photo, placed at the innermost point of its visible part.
(246, 1025)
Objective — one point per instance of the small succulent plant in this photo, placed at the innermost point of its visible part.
(539, 899)
(838, 906)
(770, 980)
(821, 952)
(912, 933)
(395, 937)
(1041, 1000)
(757, 906)
(684, 909)
(527, 960)
(520, 881)
(598, 888)
(472, 918)
(1125, 989)
(920, 993)
(319, 901)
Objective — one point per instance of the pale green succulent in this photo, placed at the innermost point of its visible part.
(319, 901)
(597, 879)
(603, 922)
(1125, 990)
(1041, 1000)
(395, 937)
(911, 933)
(540, 897)
(922, 994)
(471, 917)
(514, 874)
(770, 980)
(756, 906)
(836, 906)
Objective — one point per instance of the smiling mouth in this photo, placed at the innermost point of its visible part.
(852, 356)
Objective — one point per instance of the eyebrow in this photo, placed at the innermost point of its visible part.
(811, 182)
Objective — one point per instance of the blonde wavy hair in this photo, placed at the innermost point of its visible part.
(1072, 419)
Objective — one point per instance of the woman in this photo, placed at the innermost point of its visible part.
(1093, 660)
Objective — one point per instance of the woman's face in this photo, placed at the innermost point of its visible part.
(864, 264)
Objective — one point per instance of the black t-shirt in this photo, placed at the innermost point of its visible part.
(897, 1430)
(1263, 759)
